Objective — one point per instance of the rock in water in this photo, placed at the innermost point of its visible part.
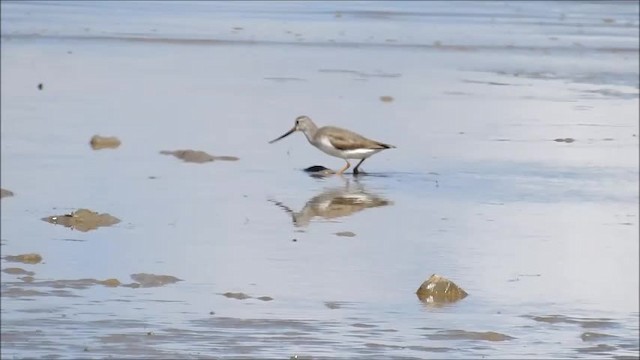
(439, 290)
(104, 142)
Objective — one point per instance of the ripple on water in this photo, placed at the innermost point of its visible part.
(469, 335)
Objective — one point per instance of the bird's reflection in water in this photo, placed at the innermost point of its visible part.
(333, 203)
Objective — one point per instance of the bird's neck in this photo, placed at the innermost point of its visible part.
(310, 132)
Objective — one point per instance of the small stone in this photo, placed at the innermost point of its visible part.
(104, 142)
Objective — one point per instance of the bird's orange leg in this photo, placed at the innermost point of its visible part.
(344, 168)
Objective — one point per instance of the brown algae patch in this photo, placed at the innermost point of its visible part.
(110, 283)
(5, 193)
(15, 292)
(345, 233)
(438, 290)
(17, 271)
(83, 220)
(24, 258)
(469, 335)
(151, 280)
(196, 156)
(386, 98)
(104, 142)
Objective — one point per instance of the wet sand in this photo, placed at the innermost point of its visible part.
(515, 176)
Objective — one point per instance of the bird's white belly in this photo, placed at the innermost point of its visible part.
(326, 147)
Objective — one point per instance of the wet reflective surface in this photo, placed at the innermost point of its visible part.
(515, 176)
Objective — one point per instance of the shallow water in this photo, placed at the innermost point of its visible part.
(542, 234)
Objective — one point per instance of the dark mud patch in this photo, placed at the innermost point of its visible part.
(151, 280)
(345, 234)
(364, 326)
(83, 220)
(104, 142)
(77, 284)
(333, 305)
(587, 323)
(457, 93)
(5, 193)
(565, 140)
(243, 296)
(386, 98)
(594, 336)
(469, 335)
(196, 156)
(361, 74)
(609, 93)
(236, 295)
(598, 349)
(24, 258)
(439, 290)
(17, 271)
(494, 83)
(284, 79)
(60, 286)
(429, 348)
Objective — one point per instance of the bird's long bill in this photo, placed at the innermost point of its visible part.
(283, 136)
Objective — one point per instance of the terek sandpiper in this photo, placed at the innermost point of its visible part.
(337, 142)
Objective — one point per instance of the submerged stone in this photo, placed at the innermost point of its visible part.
(439, 290)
